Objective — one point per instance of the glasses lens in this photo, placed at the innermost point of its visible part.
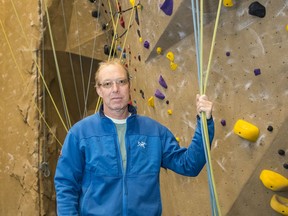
(109, 84)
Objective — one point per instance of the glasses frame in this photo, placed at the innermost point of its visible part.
(110, 83)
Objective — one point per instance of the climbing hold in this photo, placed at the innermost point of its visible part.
(279, 204)
(146, 44)
(273, 180)
(159, 50)
(138, 32)
(170, 56)
(140, 39)
(142, 93)
(285, 165)
(223, 122)
(228, 3)
(139, 57)
(169, 111)
(178, 139)
(95, 14)
(151, 102)
(246, 130)
(132, 2)
(162, 82)
(228, 53)
(287, 27)
(122, 22)
(107, 50)
(257, 9)
(137, 16)
(270, 128)
(257, 71)
(167, 7)
(159, 94)
(104, 26)
(167, 102)
(119, 8)
(173, 66)
(281, 152)
(119, 48)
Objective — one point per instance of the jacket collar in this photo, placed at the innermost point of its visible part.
(131, 109)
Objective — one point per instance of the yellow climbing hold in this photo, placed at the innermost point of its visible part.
(178, 139)
(170, 56)
(273, 180)
(169, 111)
(140, 39)
(287, 27)
(228, 3)
(246, 130)
(151, 102)
(279, 204)
(132, 2)
(173, 65)
(159, 50)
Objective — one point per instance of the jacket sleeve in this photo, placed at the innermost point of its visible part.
(186, 161)
(68, 177)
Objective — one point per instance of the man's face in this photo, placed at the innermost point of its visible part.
(114, 88)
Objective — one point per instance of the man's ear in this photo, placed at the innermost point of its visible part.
(99, 92)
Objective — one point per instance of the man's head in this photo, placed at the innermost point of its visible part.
(113, 86)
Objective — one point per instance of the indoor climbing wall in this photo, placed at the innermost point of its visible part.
(156, 40)
(248, 81)
(19, 130)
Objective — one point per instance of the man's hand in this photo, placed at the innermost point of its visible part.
(204, 105)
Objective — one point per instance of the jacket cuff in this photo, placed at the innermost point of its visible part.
(208, 120)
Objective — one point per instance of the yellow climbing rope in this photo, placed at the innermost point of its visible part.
(202, 87)
(18, 69)
(114, 42)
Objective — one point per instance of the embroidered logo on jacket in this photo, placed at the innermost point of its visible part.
(142, 144)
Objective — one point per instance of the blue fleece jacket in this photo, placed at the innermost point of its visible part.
(89, 178)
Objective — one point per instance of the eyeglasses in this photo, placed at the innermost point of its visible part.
(109, 83)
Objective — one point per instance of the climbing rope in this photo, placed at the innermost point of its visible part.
(91, 67)
(198, 34)
(38, 68)
(19, 71)
(79, 49)
(114, 42)
(70, 59)
(66, 112)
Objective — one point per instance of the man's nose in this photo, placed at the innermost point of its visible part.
(115, 86)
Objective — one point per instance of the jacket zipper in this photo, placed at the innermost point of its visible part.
(124, 185)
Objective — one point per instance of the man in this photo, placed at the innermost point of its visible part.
(110, 161)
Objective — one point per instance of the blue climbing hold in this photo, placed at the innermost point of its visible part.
(162, 82)
(159, 94)
(167, 7)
